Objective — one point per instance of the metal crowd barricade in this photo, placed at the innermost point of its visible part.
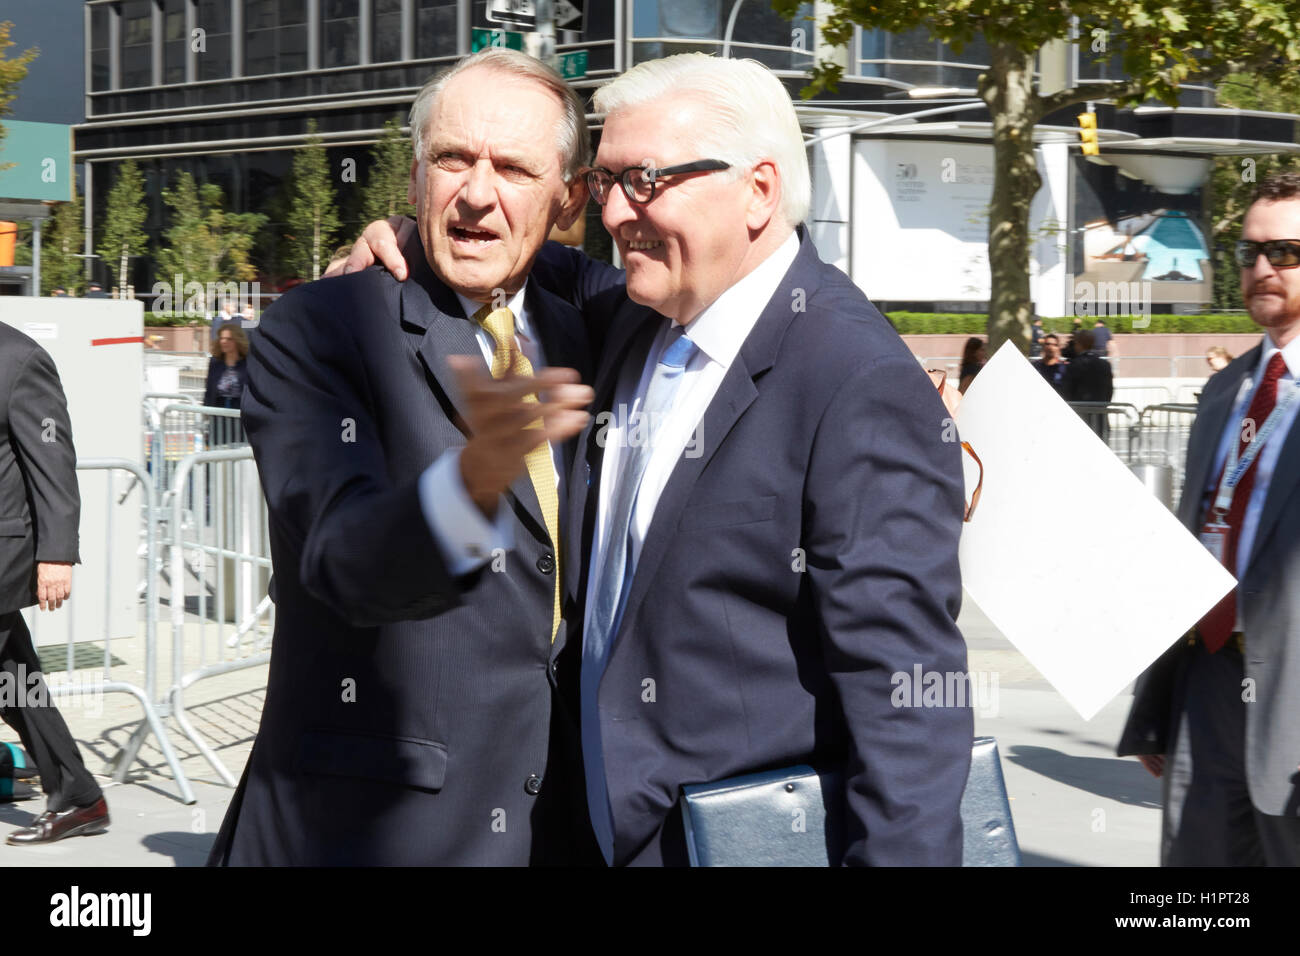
(1165, 431)
(1118, 424)
(183, 428)
(106, 682)
(219, 543)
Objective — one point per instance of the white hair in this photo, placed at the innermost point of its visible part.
(572, 137)
(752, 118)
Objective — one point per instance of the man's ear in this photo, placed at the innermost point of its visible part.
(575, 200)
(410, 186)
(765, 195)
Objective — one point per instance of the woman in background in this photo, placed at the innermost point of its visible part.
(227, 374)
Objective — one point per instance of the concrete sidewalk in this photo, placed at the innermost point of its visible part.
(1074, 803)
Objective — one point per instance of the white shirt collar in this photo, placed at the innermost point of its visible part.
(515, 305)
(721, 329)
(1290, 355)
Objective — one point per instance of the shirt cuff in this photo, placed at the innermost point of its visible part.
(466, 539)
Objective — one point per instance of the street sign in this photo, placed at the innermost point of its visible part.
(573, 65)
(481, 39)
(568, 15)
(519, 13)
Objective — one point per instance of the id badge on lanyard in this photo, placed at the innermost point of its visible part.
(1214, 535)
(1215, 531)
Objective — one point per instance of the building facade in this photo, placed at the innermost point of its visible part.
(224, 89)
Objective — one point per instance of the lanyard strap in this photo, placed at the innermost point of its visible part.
(1235, 468)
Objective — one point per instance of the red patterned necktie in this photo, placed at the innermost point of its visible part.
(1216, 627)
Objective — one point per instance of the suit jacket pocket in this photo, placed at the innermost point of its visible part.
(721, 514)
(13, 527)
(405, 761)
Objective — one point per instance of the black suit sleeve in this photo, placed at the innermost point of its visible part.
(210, 388)
(884, 503)
(42, 438)
(596, 288)
(363, 545)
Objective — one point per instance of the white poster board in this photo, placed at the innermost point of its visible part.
(1096, 594)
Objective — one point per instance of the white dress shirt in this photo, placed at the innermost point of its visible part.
(466, 539)
(719, 332)
(1268, 455)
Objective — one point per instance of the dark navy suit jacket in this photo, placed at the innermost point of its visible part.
(807, 556)
(410, 717)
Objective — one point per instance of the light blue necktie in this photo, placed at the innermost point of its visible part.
(616, 576)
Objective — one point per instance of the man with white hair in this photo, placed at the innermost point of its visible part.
(765, 508)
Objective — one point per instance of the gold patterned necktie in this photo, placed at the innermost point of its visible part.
(500, 324)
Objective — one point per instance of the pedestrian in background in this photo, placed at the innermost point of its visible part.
(227, 375)
(1051, 366)
(973, 357)
(1218, 358)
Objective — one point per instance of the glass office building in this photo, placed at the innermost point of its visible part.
(225, 88)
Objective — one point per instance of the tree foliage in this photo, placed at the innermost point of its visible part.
(390, 174)
(313, 219)
(12, 72)
(204, 243)
(123, 235)
(1159, 47)
(1235, 177)
(62, 265)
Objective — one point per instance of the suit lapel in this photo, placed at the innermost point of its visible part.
(734, 396)
(1282, 484)
(1214, 414)
(629, 343)
(559, 328)
(429, 304)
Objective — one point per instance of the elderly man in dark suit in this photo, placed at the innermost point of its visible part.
(1218, 716)
(416, 709)
(39, 513)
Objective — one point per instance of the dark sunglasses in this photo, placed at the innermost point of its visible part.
(1279, 252)
(639, 182)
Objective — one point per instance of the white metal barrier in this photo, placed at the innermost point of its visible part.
(143, 520)
(219, 543)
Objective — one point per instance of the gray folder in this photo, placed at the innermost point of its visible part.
(790, 817)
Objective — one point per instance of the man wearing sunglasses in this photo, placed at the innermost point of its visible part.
(1218, 716)
(765, 509)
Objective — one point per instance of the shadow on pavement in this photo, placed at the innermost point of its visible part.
(185, 849)
(1118, 778)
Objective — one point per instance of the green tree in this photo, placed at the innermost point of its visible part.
(123, 234)
(185, 254)
(12, 72)
(313, 217)
(1235, 177)
(205, 243)
(61, 243)
(390, 174)
(1159, 46)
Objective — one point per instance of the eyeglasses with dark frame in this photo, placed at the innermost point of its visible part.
(1283, 253)
(639, 182)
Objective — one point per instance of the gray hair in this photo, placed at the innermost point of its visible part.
(752, 116)
(572, 137)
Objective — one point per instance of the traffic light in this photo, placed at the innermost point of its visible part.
(1088, 133)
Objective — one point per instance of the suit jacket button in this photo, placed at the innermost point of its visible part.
(546, 563)
(533, 785)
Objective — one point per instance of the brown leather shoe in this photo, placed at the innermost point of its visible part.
(51, 826)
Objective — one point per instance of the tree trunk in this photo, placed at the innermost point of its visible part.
(121, 274)
(1008, 90)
